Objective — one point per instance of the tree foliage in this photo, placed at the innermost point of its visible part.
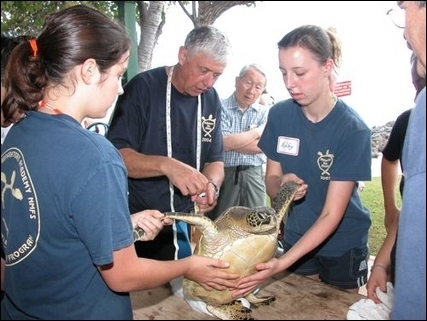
(27, 17)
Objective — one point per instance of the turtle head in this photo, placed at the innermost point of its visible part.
(284, 198)
(261, 219)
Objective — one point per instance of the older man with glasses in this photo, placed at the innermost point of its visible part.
(243, 121)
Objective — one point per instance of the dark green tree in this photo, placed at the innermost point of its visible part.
(26, 17)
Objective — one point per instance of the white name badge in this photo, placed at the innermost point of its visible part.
(288, 145)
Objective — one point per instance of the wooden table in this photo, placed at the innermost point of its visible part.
(297, 298)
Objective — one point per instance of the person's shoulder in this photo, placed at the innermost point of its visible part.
(283, 106)
(211, 94)
(227, 99)
(403, 118)
(406, 113)
(100, 149)
(260, 109)
(150, 73)
(351, 116)
(421, 99)
(147, 78)
(419, 111)
(228, 102)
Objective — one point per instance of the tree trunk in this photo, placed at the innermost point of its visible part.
(151, 19)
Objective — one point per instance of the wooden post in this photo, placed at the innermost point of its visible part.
(127, 15)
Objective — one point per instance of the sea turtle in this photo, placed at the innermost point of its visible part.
(244, 237)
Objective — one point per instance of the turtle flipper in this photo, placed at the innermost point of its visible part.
(137, 232)
(203, 223)
(235, 310)
(284, 197)
(257, 301)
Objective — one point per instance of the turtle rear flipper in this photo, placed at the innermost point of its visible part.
(235, 310)
(257, 301)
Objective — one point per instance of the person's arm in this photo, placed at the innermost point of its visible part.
(389, 182)
(244, 142)
(130, 273)
(380, 270)
(337, 199)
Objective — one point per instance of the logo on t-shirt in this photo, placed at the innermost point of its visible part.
(208, 125)
(18, 192)
(325, 161)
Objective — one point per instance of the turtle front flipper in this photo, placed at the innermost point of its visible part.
(235, 310)
(283, 200)
(203, 223)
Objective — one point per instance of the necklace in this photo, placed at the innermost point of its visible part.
(46, 105)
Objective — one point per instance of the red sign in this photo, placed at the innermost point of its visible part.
(342, 88)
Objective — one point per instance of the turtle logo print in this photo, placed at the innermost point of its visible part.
(17, 191)
(325, 161)
(208, 125)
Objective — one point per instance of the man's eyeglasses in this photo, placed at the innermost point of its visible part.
(397, 16)
(250, 84)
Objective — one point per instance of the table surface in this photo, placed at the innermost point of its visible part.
(297, 298)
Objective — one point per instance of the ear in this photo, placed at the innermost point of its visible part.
(182, 55)
(90, 72)
(236, 81)
(328, 68)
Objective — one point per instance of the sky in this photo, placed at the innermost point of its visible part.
(375, 56)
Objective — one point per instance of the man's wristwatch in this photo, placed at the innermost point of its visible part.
(216, 188)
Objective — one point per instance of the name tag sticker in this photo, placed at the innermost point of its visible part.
(288, 145)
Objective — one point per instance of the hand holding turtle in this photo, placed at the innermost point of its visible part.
(211, 274)
(248, 284)
(293, 177)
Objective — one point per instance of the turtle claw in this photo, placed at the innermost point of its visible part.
(256, 301)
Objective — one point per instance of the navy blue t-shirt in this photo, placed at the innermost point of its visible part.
(65, 211)
(338, 148)
(139, 123)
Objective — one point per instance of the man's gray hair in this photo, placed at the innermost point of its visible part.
(255, 66)
(209, 40)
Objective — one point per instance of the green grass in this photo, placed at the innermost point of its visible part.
(372, 198)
